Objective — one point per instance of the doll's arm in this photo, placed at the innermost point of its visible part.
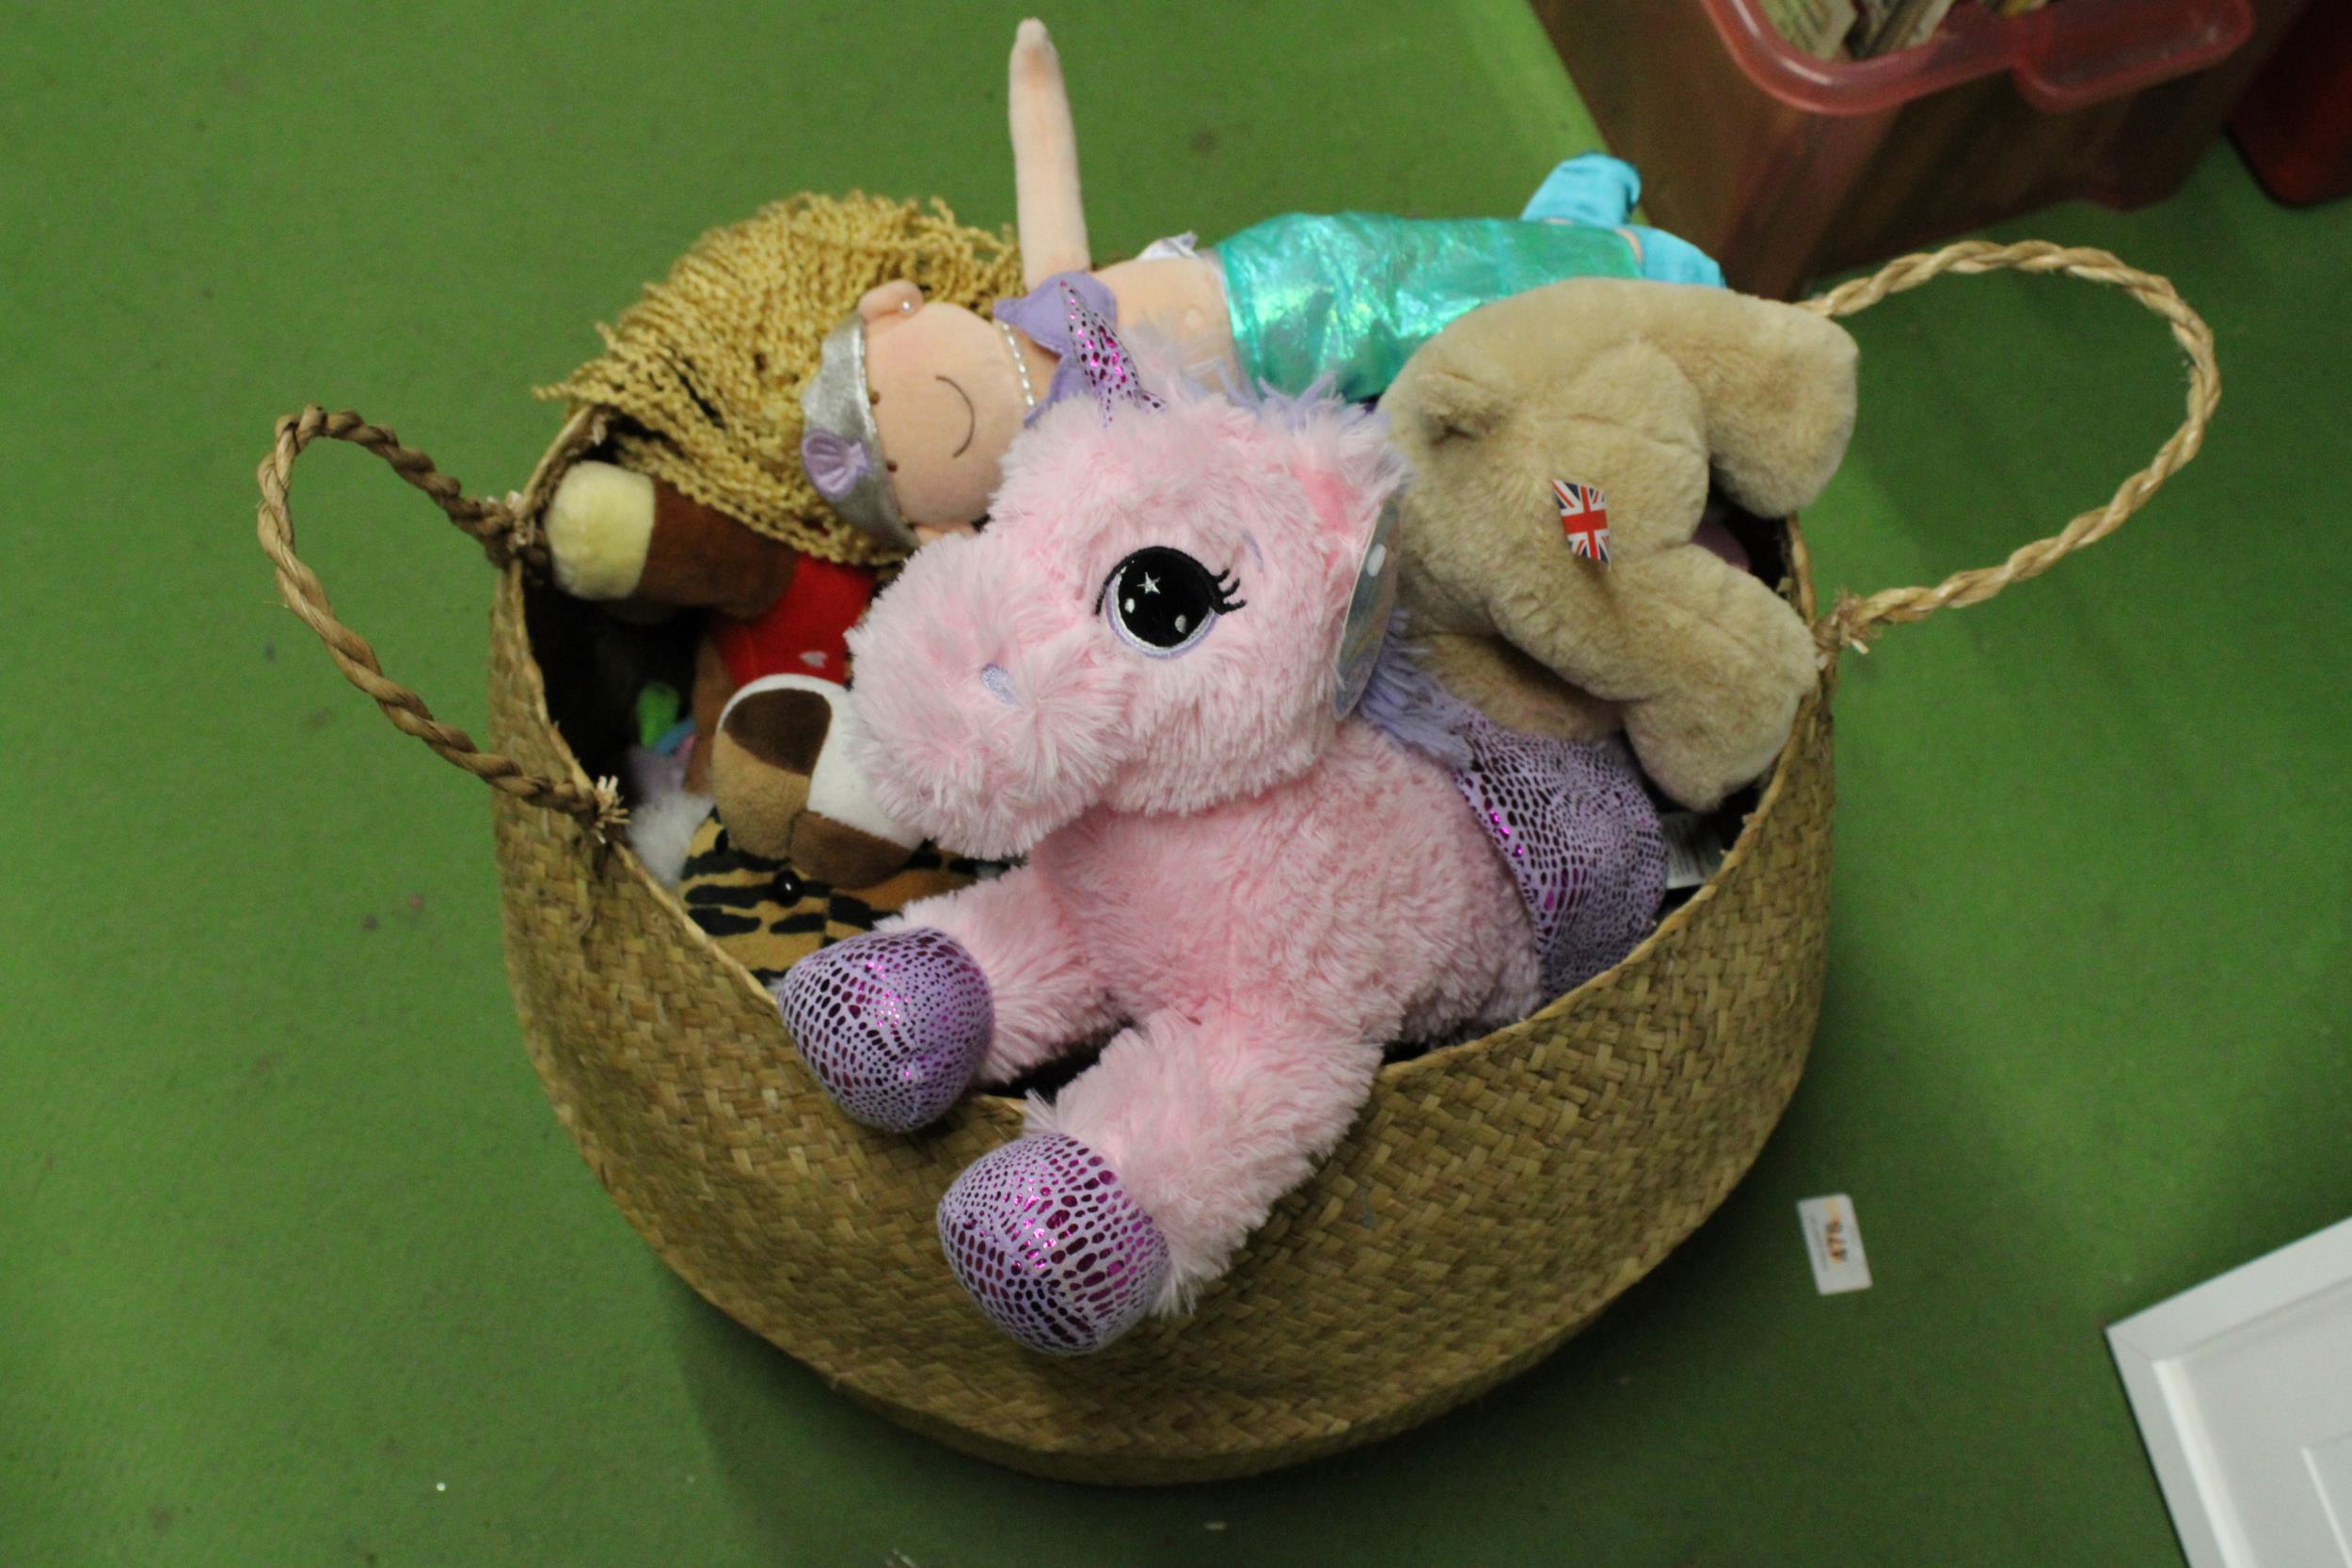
(1053, 219)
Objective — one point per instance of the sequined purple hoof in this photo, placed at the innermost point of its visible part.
(1052, 1245)
(894, 1023)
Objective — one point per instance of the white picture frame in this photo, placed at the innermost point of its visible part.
(2158, 1354)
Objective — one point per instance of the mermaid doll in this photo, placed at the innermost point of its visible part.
(916, 398)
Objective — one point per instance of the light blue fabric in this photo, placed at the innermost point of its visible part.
(1670, 258)
(1595, 189)
(1600, 190)
(1353, 295)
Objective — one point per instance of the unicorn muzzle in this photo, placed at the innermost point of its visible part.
(991, 718)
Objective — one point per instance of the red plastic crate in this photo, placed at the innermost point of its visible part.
(1785, 166)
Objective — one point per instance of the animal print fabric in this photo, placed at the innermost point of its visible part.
(768, 917)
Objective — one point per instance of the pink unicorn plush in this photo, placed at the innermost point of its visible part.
(1136, 677)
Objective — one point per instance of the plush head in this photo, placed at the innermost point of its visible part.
(705, 375)
(1147, 624)
(909, 413)
(1644, 392)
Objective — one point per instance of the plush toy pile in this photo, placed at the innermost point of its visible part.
(1307, 731)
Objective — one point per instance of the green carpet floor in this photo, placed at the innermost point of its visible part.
(296, 1267)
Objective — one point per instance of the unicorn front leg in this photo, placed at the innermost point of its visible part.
(980, 984)
(1138, 1184)
(1046, 993)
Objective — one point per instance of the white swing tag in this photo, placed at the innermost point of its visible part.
(1369, 612)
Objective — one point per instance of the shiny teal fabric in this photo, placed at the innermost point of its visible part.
(1353, 295)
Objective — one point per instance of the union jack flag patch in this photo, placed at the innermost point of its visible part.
(1585, 518)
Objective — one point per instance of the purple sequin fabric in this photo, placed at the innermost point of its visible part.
(1043, 313)
(1108, 367)
(1052, 1245)
(1580, 838)
(894, 1023)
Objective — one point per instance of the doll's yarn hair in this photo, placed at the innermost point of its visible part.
(703, 375)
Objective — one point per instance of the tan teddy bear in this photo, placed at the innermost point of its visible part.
(1641, 392)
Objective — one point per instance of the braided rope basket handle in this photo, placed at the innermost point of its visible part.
(1853, 622)
(506, 534)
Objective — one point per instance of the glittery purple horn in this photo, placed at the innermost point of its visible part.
(1108, 367)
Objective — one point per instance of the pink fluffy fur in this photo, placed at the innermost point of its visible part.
(1263, 894)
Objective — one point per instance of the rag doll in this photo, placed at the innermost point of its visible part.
(1563, 444)
(1145, 675)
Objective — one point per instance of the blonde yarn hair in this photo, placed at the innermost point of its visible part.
(703, 372)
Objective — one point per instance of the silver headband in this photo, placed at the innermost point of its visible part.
(841, 446)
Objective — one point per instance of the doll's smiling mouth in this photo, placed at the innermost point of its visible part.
(971, 417)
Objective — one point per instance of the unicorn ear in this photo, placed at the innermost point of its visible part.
(1108, 367)
(1342, 483)
(1329, 496)
(1346, 466)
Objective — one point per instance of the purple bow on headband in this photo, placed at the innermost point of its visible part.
(834, 463)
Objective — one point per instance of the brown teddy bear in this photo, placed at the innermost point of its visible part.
(1562, 443)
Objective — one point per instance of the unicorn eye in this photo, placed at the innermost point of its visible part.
(1164, 602)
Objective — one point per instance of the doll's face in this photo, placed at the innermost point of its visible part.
(947, 399)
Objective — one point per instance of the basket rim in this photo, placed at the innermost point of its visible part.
(1005, 1113)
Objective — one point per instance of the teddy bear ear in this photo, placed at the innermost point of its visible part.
(1447, 404)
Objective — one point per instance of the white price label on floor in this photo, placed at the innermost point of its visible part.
(1833, 1240)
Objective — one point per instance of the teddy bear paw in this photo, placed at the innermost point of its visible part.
(1052, 1245)
(893, 1023)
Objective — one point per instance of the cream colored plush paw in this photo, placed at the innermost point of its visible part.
(599, 527)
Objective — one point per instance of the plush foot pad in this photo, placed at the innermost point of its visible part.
(1051, 1244)
(894, 1023)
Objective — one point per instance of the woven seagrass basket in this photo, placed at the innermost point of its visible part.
(1491, 1200)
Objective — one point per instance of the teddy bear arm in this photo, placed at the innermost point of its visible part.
(1710, 668)
(698, 556)
(637, 543)
(1776, 380)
